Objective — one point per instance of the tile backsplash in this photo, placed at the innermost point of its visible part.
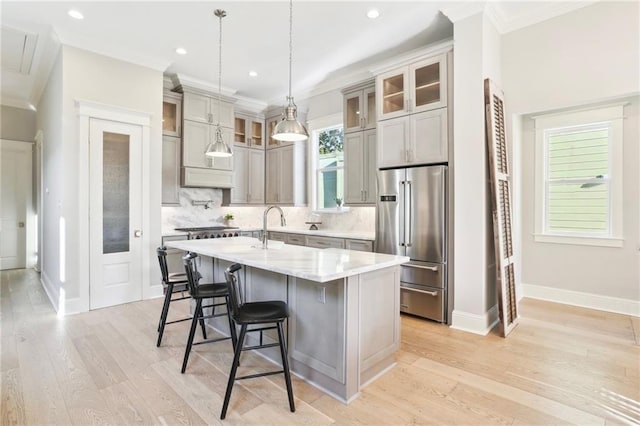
(355, 219)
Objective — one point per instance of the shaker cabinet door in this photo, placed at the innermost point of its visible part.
(392, 137)
(196, 138)
(428, 142)
(196, 107)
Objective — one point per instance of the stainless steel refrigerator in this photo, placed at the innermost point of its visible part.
(412, 221)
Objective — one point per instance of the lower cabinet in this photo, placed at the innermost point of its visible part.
(322, 242)
(317, 338)
(325, 242)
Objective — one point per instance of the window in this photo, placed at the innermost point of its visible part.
(579, 177)
(329, 167)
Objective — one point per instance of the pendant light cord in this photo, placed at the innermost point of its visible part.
(220, 14)
(290, 43)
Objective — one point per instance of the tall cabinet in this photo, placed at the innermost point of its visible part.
(412, 114)
(248, 160)
(359, 109)
(171, 146)
(201, 113)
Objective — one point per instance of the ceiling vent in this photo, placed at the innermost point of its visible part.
(18, 48)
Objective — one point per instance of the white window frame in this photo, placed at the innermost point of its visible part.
(545, 124)
(316, 126)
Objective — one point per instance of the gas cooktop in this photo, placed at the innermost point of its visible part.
(206, 228)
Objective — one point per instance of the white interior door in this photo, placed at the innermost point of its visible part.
(115, 213)
(15, 194)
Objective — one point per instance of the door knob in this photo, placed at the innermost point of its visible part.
(137, 233)
(20, 224)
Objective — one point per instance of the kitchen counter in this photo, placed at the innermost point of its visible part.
(344, 327)
(320, 265)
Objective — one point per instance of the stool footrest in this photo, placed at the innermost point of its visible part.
(211, 340)
(253, 376)
(262, 329)
(180, 320)
(250, 348)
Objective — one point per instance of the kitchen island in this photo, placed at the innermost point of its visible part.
(344, 327)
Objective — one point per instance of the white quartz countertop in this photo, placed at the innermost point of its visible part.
(309, 263)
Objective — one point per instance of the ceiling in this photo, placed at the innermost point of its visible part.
(330, 40)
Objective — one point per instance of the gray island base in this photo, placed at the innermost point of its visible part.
(344, 328)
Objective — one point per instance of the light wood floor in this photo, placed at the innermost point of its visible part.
(562, 365)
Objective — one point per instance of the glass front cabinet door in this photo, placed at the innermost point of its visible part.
(171, 114)
(429, 84)
(360, 110)
(420, 86)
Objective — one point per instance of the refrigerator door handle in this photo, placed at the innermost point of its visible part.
(403, 195)
(409, 191)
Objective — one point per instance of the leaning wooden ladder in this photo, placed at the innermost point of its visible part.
(501, 203)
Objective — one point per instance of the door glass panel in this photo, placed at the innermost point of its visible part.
(240, 129)
(115, 193)
(169, 116)
(427, 84)
(353, 112)
(393, 94)
(256, 133)
(272, 125)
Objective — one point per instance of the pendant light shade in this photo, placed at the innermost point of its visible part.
(290, 129)
(217, 147)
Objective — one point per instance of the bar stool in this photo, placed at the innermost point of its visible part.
(173, 283)
(199, 292)
(255, 313)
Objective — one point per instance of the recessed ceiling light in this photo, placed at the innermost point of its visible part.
(373, 14)
(181, 51)
(75, 14)
(253, 74)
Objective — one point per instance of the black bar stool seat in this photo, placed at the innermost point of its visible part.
(199, 292)
(258, 314)
(262, 312)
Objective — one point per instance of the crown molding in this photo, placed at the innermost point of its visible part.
(45, 62)
(538, 12)
(16, 103)
(411, 56)
(201, 85)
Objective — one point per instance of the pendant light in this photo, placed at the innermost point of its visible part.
(290, 129)
(217, 147)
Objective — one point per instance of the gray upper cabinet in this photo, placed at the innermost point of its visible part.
(249, 131)
(204, 109)
(248, 176)
(360, 167)
(200, 116)
(359, 109)
(416, 87)
(170, 170)
(172, 114)
(286, 175)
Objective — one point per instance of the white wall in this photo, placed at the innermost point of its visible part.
(82, 75)
(49, 120)
(584, 57)
(476, 56)
(17, 124)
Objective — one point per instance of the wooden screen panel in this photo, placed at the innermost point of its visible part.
(501, 204)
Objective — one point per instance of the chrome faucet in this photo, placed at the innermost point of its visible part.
(283, 222)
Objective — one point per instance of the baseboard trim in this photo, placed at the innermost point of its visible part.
(473, 323)
(50, 289)
(586, 300)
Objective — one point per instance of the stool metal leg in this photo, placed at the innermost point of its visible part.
(192, 332)
(201, 316)
(164, 314)
(234, 368)
(232, 326)
(285, 366)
